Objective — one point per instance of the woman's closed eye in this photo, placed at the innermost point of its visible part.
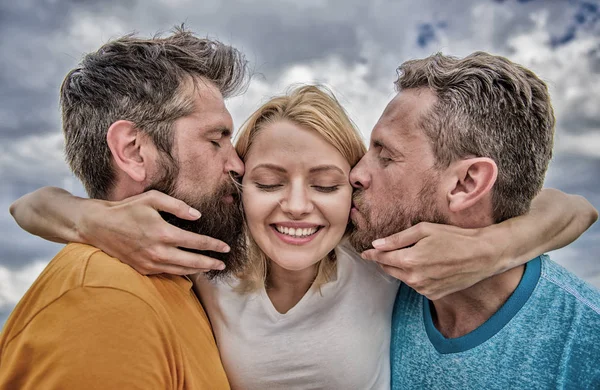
(326, 189)
(267, 187)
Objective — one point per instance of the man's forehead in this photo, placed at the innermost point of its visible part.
(403, 114)
(410, 102)
(209, 106)
(213, 119)
(207, 96)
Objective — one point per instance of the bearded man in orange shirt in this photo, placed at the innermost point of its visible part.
(138, 114)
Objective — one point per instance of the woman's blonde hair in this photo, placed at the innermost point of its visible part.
(311, 107)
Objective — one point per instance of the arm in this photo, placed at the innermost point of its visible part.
(91, 338)
(51, 213)
(554, 221)
(437, 260)
(130, 230)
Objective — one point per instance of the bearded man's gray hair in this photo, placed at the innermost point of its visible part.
(142, 81)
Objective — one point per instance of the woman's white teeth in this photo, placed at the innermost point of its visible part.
(296, 232)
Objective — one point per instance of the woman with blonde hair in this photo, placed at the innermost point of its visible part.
(306, 312)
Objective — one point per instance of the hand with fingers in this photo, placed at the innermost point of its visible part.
(435, 260)
(133, 231)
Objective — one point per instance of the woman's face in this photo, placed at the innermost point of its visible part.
(296, 196)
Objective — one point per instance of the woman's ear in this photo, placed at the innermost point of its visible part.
(126, 142)
(473, 179)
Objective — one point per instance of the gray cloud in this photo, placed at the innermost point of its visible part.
(579, 175)
(4, 316)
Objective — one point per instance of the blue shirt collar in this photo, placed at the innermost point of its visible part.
(494, 324)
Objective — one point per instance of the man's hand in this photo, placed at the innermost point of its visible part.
(436, 260)
(133, 231)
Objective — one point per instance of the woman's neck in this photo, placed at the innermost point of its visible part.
(286, 288)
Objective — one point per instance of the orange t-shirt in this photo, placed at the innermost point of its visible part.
(92, 322)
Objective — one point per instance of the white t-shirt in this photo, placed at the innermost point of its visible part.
(338, 338)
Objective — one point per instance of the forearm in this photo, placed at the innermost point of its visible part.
(555, 220)
(51, 213)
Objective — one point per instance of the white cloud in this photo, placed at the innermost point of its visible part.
(13, 284)
(34, 155)
(574, 86)
(363, 101)
(586, 144)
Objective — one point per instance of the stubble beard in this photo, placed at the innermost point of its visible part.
(221, 220)
(393, 218)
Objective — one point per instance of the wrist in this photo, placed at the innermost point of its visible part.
(498, 250)
(87, 211)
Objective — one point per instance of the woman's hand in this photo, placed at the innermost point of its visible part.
(435, 260)
(133, 231)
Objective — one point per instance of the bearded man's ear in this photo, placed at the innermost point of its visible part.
(469, 181)
(129, 149)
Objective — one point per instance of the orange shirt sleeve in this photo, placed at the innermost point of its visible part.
(93, 338)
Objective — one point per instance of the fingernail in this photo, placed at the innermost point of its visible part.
(194, 213)
(379, 242)
(226, 248)
(221, 266)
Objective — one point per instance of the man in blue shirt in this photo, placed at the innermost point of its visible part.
(467, 142)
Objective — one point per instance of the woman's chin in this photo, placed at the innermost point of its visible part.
(295, 262)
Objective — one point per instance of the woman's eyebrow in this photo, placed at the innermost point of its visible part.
(322, 168)
(272, 167)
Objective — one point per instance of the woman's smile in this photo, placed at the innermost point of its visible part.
(296, 236)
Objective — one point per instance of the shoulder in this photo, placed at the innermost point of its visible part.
(96, 269)
(348, 258)
(81, 317)
(407, 299)
(92, 306)
(88, 335)
(79, 265)
(223, 288)
(345, 250)
(79, 280)
(560, 281)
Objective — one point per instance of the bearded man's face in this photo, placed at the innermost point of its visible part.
(222, 216)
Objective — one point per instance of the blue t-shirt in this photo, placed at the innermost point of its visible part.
(545, 336)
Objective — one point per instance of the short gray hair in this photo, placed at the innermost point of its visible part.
(488, 106)
(140, 80)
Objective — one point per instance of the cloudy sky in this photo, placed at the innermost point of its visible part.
(354, 46)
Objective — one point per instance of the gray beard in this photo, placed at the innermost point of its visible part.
(394, 219)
